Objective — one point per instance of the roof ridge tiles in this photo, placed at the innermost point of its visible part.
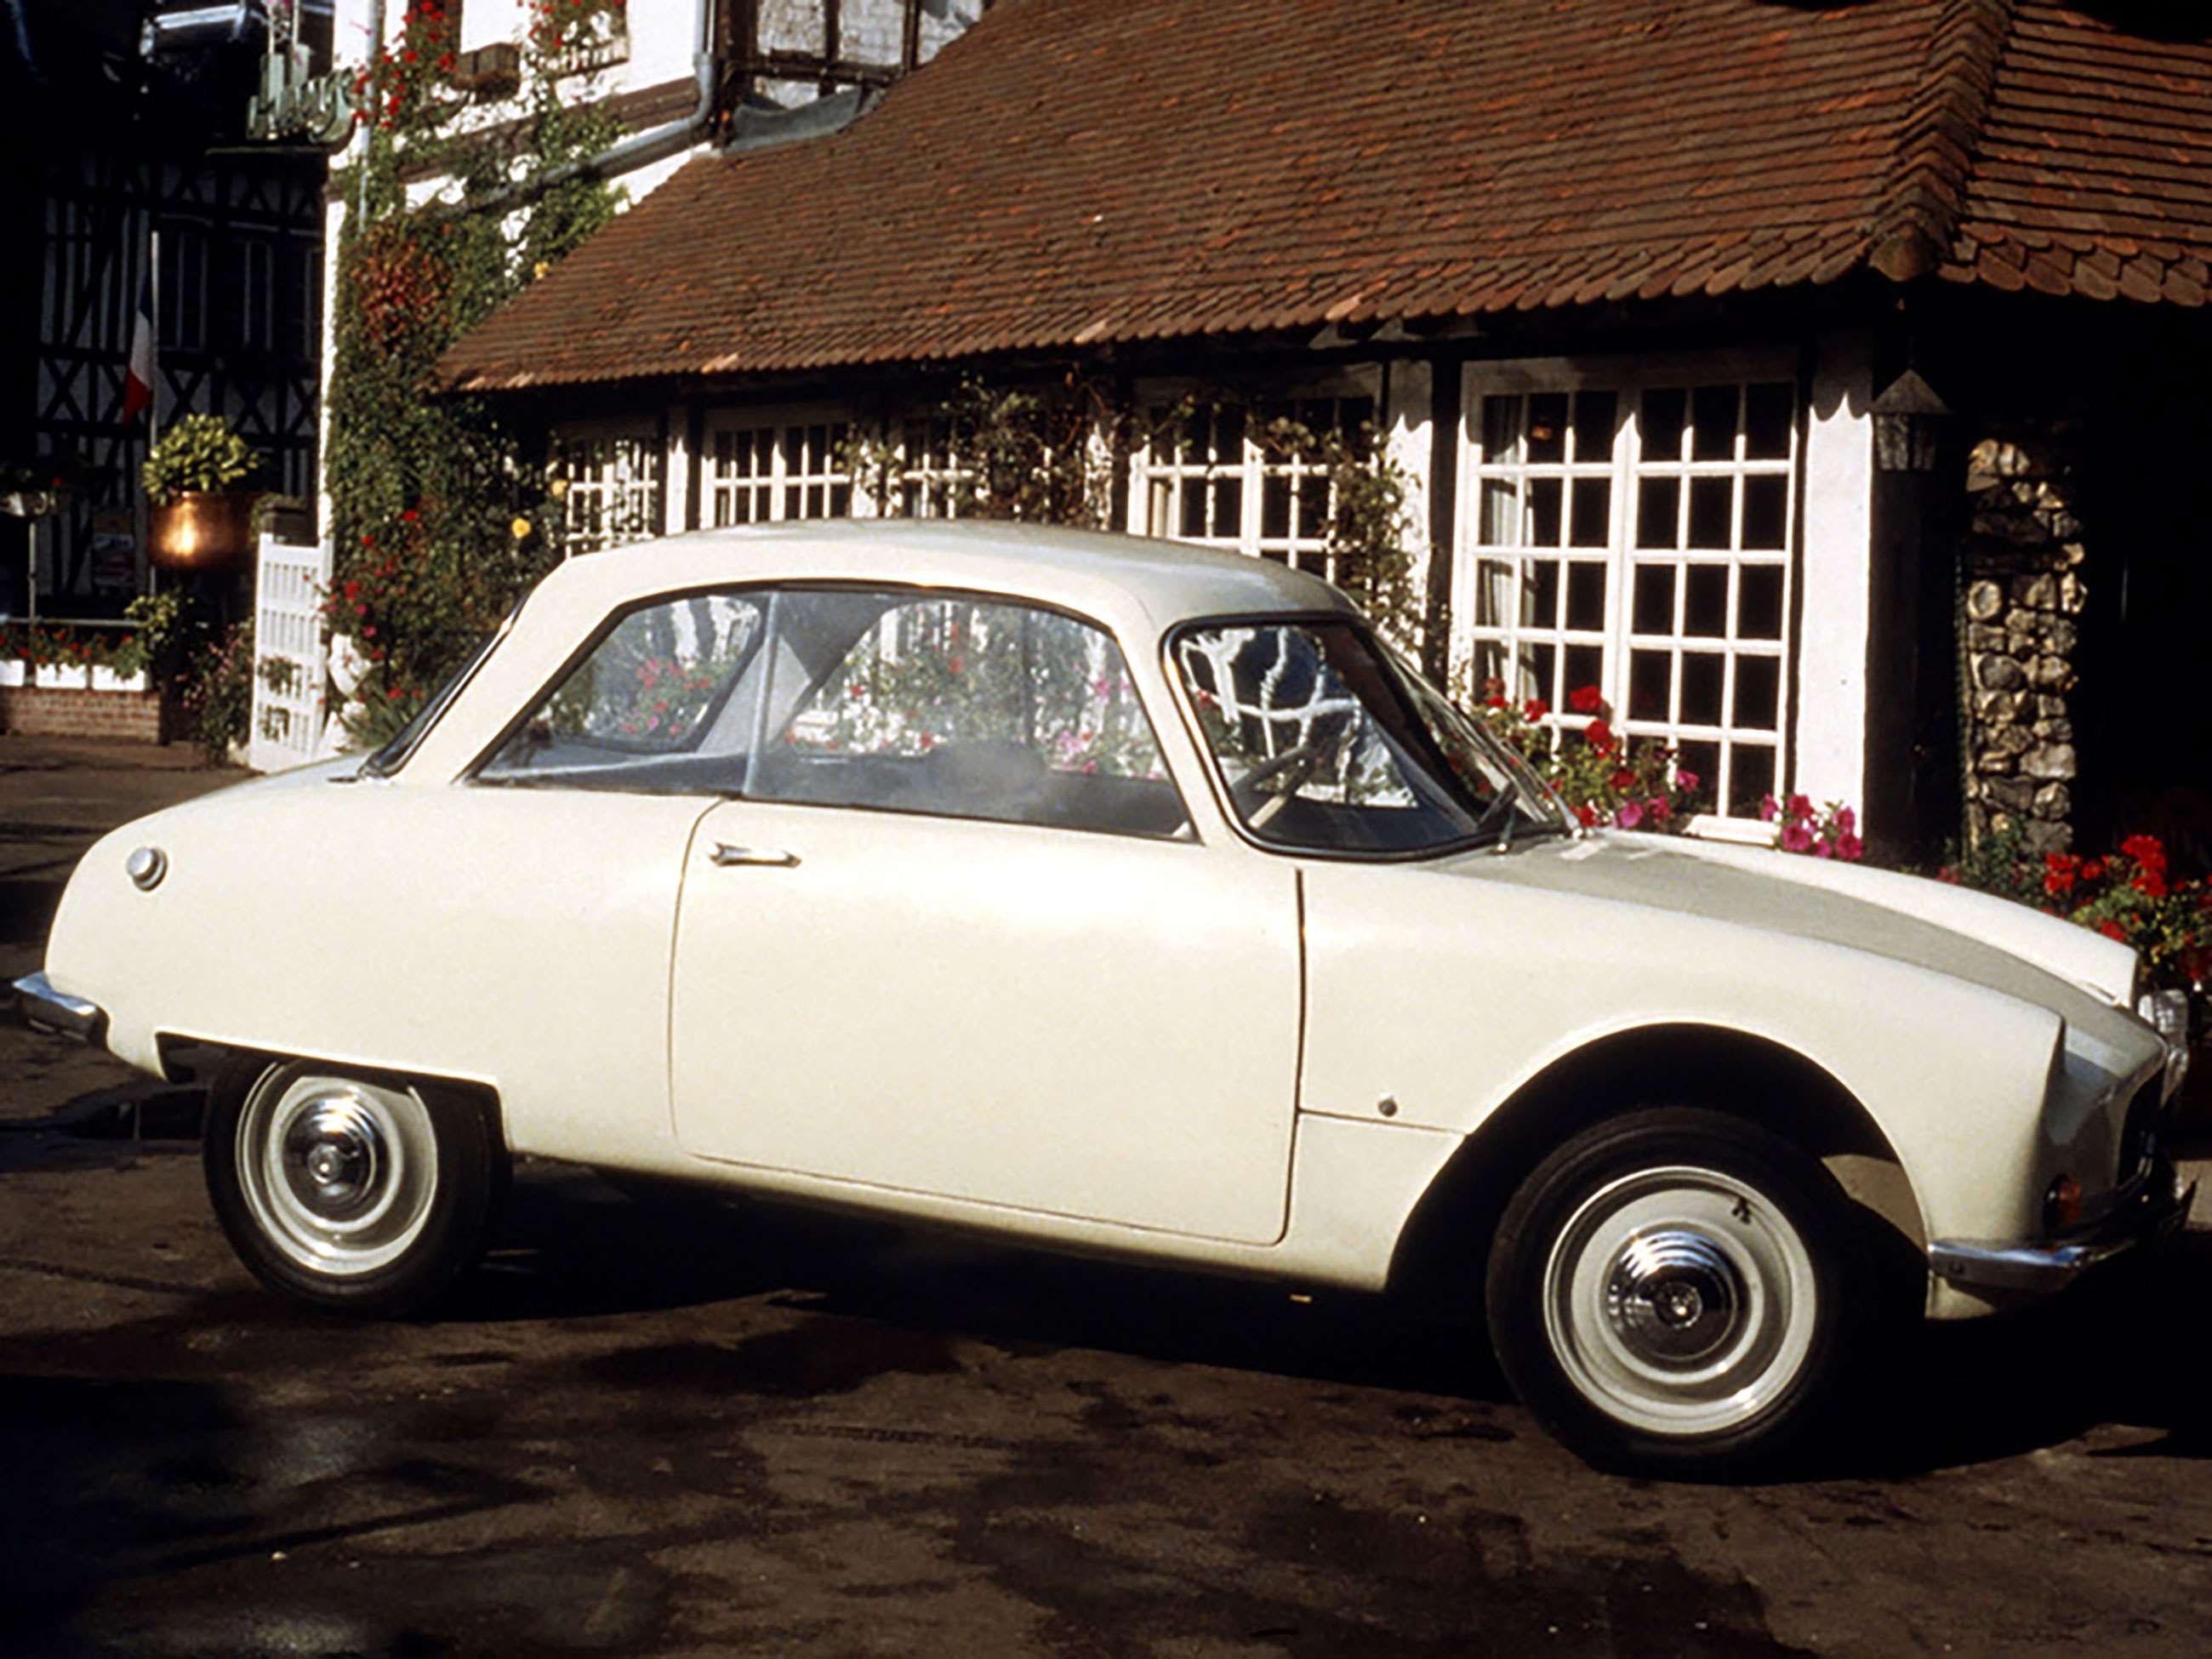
(1928, 183)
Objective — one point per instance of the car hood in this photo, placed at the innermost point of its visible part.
(1985, 941)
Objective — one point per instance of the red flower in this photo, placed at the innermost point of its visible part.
(2111, 929)
(2093, 870)
(2058, 872)
(1624, 780)
(1586, 699)
(1587, 813)
(2150, 883)
(1599, 736)
(1537, 708)
(2146, 850)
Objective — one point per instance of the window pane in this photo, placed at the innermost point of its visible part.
(1543, 515)
(1701, 760)
(1540, 593)
(1766, 418)
(1586, 596)
(1758, 602)
(1712, 420)
(1493, 586)
(1595, 413)
(1752, 769)
(963, 709)
(1585, 666)
(1654, 599)
(1766, 511)
(1658, 513)
(1275, 505)
(1711, 499)
(640, 712)
(1501, 428)
(1227, 506)
(1650, 678)
(1500, 503)
(1757, 692)
(1701, 688)
(1547, 426)
(1704, 606)
(1592, 524)
(1664, 412)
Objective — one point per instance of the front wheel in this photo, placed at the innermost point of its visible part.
(361, 1192)
(1670, 1293)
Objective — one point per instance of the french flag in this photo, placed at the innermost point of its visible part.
(138, 378)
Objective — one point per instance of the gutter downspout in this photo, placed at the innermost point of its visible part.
(639, 149)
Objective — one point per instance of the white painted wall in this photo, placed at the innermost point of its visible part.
(1833, 686)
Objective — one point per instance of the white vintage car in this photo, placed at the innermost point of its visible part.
(1116, 897)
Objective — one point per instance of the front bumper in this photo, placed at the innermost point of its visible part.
(2154, 1210)
(46, 1009)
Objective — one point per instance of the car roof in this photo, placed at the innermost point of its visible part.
(1094, 573)
(1136, 588)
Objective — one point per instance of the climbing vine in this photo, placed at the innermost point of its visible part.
(437, 521)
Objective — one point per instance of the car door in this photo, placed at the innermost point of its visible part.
(957, 937)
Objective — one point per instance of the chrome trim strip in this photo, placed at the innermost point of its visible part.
(46, 1009)
(1994, 1265)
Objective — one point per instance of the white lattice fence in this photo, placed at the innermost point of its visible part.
(288, 628)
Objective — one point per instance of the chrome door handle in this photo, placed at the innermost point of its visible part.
(725, 855)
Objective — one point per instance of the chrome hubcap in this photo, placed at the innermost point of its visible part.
(1680, 1301)
(339, 1174)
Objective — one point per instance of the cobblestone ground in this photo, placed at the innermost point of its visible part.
(650, 1426)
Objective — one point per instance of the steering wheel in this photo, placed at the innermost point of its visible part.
(1299, 764)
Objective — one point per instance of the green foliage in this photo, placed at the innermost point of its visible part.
(218, 697)
(424, 491)
(195, 453)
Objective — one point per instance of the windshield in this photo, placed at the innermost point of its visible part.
(1325, 743)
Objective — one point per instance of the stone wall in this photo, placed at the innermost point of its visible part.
(2022, 594)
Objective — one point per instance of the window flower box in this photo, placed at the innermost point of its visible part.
(61, 677)
(107, 679)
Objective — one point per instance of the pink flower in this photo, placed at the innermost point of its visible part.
(1849, 848)
(1796, 838)
(1687, 782)
(1847, 822)
(1768, 807)
(1629, 815)
(1821, 849)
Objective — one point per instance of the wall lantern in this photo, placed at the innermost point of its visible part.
(1908, 419)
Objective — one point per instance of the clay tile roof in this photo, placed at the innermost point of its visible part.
(1072, 172)
(2094, 142)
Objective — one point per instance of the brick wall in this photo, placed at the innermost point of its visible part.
(33, 712)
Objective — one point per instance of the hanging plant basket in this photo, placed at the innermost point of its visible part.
(202, 529)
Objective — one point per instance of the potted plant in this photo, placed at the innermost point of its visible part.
(200, 521)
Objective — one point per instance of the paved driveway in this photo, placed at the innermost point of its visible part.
(651, 1426)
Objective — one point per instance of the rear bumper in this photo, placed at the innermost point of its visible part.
(2155, 1211)
(46, 1009)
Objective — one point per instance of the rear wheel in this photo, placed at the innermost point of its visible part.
(1670, 1293)
(356, 1191)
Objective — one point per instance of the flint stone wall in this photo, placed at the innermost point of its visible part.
(2022, 595)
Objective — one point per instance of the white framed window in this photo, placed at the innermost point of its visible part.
(928, 469)
(613, 496)
(1630, 529)
(761, 467)
(1217, 478)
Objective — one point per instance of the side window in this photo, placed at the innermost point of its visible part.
(646, 708)
(966, 708)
